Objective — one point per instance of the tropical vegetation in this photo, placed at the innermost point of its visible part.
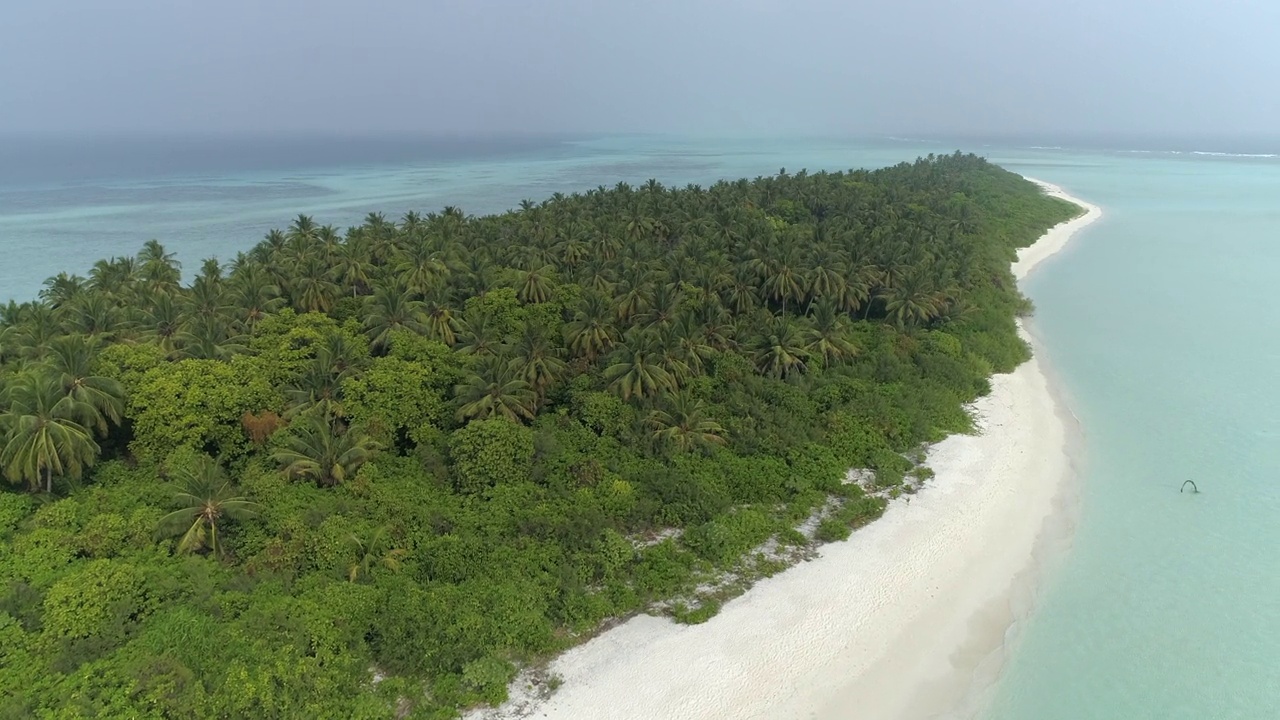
(371, 473)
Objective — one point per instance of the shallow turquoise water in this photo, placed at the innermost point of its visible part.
(1157, 319)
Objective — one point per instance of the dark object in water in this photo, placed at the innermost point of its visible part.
(1192, 483)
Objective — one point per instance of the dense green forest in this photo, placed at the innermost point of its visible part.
(371, 473)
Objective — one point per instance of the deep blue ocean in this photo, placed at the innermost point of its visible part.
(1156, 320)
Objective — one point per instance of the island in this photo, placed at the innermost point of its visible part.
(377, 472)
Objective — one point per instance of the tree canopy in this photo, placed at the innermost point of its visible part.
(370, 473)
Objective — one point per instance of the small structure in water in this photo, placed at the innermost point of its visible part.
(1192, 483)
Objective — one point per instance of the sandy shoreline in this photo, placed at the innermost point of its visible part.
(907, 619)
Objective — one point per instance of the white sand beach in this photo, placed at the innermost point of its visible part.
(907, 619)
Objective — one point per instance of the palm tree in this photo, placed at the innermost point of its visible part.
(692, 343)
(353, 266)
(62, 289)
(313, 288)
(440, 323)
(314, 451)
(210, 338)
(422, 268)
(317, 390)
(390, 308)
(536, 285)
(685, 426)
(783, 278)
(779, 347)
(42, 433)
(157, 268)
(101, 399)
(635, 369)
(92, 314)
(537, 359)
(37, 326)
(479, 336)
(115, 276)
(163, 322)
(371, 551)
(662, 306)
(496, 390)
(207, 499)
(827, 335)
(912, 300)
(254, 295)
(592, 332)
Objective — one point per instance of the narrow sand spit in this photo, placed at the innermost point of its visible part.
(905, 620)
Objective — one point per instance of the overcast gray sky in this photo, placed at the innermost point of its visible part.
(700, 66)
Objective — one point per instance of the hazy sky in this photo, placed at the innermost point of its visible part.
(700, 66)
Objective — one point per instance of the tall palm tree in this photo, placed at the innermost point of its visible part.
(157, 267)
(92, 314)
(353, 265)
(778, 348)
(440, 322)
(314, 450)
(537, 359)
(207, 499)
(38, 326)
(313, 289)
(536, 285)
(783, 275)
(685, 426)
(390, 308)
(254, 295)
(163, 322)
(479, 335)
(210, 338)
(62, 289)
(100, 399)
(592, 332)
(42, 433)
(826, 337)
(636, 370)
(422, 268)
(912, 300)
(495, 390)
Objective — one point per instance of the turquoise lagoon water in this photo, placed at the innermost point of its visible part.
(1157, 320)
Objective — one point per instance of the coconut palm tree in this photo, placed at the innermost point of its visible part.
(100, 399)
(778, 348)
(206, 500)
(163, 322)
(537, 360)
(912, 300)
(479, 336)
(353, 265)
(636, 369)
(592, 332)
(210, 338)
(826, 337)
(392, 307)
(62, 289)
(157, 268)
(684, 425)
(313, 289)
(43, 433)
(496, 389)
(536, 285)
(315, 450)
(253, 296)
(440, 321)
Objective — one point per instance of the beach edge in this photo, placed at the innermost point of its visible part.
(912, 617)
